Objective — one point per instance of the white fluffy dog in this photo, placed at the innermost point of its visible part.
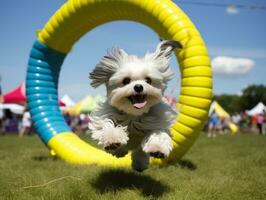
(134, 116)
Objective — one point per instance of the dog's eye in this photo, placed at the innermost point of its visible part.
(148, 80)
(126, 81)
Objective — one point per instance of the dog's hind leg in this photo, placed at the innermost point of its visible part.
(140, 160)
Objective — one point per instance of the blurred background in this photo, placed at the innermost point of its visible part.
(234, 32)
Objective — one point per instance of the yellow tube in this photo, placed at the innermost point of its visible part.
(77, 17)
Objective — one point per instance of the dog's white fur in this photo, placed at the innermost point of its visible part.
(117, 123)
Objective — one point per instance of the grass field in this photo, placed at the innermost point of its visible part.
(226, 167)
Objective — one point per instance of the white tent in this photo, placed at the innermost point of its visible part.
(67, 101)
(258, 109)
(15, 108)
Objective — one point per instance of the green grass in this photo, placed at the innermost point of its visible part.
(226, 167)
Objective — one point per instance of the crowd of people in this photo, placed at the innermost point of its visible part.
(243, 123)
(22, 124)
(78, 123)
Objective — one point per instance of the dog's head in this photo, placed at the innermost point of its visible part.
(135, 84)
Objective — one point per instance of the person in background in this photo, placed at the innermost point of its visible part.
(264, 123)
(260, 121)
(1, 96)
(1, 112)
(26, 124)
(67, 118)
(213, 124)
(85, 123)
(1, 122)
(225, 125)
(7, 121)
(75, 123)
(253, 121)
(236, 119)
(244, 123)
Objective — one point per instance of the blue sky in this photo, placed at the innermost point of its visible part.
(238, 35)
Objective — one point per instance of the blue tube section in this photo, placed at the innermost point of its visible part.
(41, 89)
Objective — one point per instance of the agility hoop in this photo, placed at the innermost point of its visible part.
(77, 17)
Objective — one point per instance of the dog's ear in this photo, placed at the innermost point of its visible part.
(162, 56)
(166, 47)
(107, 66)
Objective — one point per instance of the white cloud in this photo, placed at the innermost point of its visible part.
(223, 65)
(232, 10)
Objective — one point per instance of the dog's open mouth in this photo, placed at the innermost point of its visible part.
(138, 100)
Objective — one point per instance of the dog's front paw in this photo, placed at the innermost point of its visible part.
(120, 152)
(158, 145)
(112, 146)
(108, 135)
(113, 137)
(157, 154)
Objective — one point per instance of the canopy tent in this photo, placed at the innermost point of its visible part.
(258, 109)
(86, 105)
(15, 96)
(18, 95)
(67, 101)
(14, 108)
(215, 107)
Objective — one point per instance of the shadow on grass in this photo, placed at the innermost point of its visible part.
(186, 164)
(43, 158)
(117, 180)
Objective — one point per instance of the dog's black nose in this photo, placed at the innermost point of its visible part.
(138, 88)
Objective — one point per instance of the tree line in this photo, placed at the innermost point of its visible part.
(250, 97)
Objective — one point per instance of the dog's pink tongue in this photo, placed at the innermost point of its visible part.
(140, 105)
